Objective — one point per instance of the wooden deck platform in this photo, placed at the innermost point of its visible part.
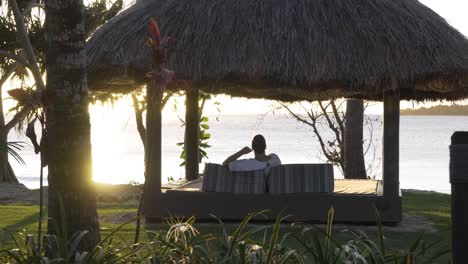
(370, 187)
(353, 200)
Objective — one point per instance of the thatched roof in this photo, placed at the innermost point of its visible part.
(289, 50)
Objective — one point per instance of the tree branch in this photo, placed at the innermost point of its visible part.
(371, 135)
(296, 116)
(26, 43)
(139, 119)
(328, 152)
(313, 124)
(166, 98)
(339, 119)
(330, 123)
(324, 148)
(139, 114)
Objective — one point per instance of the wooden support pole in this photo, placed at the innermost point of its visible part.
(192, 127)
(391, 146)
(153, 146)
(459, 181)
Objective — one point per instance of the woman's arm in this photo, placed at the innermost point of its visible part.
(238, 154)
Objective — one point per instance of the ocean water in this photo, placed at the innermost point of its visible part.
(118, 152)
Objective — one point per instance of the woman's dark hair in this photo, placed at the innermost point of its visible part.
(259, 144)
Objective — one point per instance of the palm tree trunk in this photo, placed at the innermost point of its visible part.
(72, 199)
(355, 167)
(7, 175)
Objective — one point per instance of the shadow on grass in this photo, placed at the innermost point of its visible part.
(26, 221)
(7, 231)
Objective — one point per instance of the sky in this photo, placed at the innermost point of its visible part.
(454, 11)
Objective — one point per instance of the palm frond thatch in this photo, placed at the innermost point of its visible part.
(289, 50)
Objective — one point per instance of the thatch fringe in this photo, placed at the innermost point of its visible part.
(289, 50)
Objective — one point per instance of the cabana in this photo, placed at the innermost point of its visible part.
(291, 51)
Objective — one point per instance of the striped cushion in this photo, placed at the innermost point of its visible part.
(249, 181)
(301, 178)
(218, 178)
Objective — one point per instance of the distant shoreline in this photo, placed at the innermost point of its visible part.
(441, 114)
(440, 110)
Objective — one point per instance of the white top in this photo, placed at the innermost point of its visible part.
(253, 164)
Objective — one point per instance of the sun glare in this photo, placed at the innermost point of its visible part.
(111, 140)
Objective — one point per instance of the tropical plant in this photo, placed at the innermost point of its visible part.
(204, 127)
(182, 242)
(13, 148)
(204, 137)
(61, 250)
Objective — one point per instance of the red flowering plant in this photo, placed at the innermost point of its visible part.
(161, 50)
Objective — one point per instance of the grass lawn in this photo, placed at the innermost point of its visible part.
(433, 206)
(19, 218)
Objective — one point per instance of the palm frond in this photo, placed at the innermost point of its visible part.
(13, 148)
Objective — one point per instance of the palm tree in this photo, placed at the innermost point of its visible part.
(72, 199)
(14, 62)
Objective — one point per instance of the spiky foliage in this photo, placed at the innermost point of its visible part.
(182, 242)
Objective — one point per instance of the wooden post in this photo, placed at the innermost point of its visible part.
(459, 181)
(153, 145)
(391, 146)
(192, 127)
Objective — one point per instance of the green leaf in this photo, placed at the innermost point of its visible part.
(203, 153)
(204, 119)
(273, 239)
(233, 241)
(379, 230)
(205, 126)
(205, 136)
(13, 148)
